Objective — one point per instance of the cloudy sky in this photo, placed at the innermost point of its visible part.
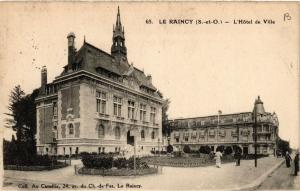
(200, 68)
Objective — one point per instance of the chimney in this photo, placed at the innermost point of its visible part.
(149, 78)
(43, 79)
(71, 49)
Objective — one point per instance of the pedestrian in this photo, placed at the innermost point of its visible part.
(288, 159)
(218, 156)
(296, 163)
(238, 157)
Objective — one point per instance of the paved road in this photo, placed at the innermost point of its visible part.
(281, 179)
(228, 176)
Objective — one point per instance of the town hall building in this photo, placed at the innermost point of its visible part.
(99, 103)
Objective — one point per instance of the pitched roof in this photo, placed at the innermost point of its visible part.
(92, 59)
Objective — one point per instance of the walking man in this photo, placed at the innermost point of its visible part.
(296, 163)
(288, 159)
(238, 157)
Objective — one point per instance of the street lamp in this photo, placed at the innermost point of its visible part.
(218, 123)
(258, 110)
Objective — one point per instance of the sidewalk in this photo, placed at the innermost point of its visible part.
(229, 177)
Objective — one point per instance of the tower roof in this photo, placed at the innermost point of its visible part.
(118, 30)
(259, 106)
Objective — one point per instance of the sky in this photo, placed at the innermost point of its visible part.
(200, 68)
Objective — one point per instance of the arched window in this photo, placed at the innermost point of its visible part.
(101, 131)
(117, 132)
(153, 135)
(142, 134)
(71, 129)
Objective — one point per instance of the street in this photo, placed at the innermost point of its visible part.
(281, 179)
(228, 176)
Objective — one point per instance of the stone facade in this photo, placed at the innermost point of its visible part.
(99, 103)
(231, 130)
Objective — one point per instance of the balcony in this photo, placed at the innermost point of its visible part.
(120, 118)
(102, 116)
(264, 132)
(133, 120)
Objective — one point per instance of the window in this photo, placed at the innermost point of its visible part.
(101, 102)
(186, 139)
(259, 129)
(153, 135)
(101, 131)
(71, 129)
(142, 112)
(117, 106)
(54, 136)
(177, 140)
(54, 109)
(131, 110)
(117, 132)
(152, 114)
(142, 134)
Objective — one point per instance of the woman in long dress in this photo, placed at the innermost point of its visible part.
(218, 156)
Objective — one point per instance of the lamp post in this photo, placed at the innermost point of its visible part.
(258, 110)
(219, 113)
(255, 134)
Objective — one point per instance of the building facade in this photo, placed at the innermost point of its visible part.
(99, 103)
(230, 130)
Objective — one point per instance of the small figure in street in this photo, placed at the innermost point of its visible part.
(288, 159)
(296, 163)
(218, 156)
(238, 157)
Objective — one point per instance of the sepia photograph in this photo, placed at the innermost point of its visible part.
(149, 95)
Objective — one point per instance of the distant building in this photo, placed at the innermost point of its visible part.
(222, 131)
(99, 103)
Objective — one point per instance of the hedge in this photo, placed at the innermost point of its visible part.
(117, 172)
(36, 160)
(108, 162)
(34, 168)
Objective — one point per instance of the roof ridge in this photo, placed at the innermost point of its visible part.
(97, 49)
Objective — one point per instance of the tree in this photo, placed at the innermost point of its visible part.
(170, 149)
(14, 105)
(204, 149)
(228, 150)
(186, 149)
(23, 121)
(165, 107)
(283, 146)
(165, 124)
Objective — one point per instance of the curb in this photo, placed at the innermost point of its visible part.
(256, 183)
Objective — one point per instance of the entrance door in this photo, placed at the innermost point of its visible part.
(130, 139)
(245, 150)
